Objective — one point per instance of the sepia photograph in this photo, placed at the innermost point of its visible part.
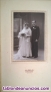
(28, 36)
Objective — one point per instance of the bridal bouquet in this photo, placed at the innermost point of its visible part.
(23, 34)
(26, 34)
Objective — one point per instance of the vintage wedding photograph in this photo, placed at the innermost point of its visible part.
(28, 36)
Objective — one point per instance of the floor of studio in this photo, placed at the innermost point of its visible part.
(39, 58)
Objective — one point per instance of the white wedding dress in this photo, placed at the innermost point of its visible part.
(24, 44)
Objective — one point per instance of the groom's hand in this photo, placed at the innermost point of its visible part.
(36, 40)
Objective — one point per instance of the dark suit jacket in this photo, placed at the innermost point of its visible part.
(35, 33)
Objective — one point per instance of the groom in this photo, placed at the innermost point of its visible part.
(34, 39)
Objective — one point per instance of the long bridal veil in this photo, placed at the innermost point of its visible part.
(24, 44)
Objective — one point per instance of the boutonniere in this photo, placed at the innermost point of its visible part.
(34, 28)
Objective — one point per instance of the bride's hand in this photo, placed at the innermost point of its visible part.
(36, 40)
(23, 34)
(27, 36)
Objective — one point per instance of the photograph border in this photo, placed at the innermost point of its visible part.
(45, 36)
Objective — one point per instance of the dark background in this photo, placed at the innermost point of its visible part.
(28, 17)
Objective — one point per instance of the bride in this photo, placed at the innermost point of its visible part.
(24, 50)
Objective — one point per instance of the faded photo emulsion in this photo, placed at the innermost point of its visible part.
(28, 36)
